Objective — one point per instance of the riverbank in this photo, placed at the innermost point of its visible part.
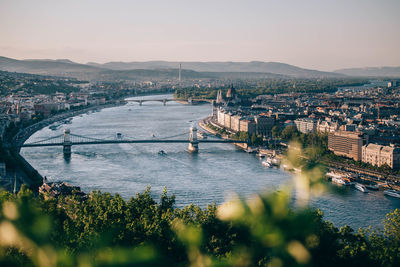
(22, 171)
(203, 124)
(391, 181)
(25, 133)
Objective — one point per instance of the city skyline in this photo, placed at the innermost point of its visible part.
(326, 35)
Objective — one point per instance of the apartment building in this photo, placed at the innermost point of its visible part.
(264, 125)
(378, 155)
(306, 125)
(347, 144)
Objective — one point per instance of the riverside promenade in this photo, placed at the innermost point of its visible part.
(203, 124)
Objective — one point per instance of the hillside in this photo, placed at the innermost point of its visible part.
(371, 71)
(254, 66)
(159, 69)
(46, 67)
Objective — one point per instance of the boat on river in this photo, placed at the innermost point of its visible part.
(372, 187)
(250, 150)
(54, 127)
(360, 187)
(162, 153)
(338, 178)
(201, 135)
(275, 161)
(392, 193)
(266, 163)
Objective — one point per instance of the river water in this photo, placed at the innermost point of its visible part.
(212, 175)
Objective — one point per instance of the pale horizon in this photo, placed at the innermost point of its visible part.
(321, 35)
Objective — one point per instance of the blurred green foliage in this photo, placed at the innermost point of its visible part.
(106, 230)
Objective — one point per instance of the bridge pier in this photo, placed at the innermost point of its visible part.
(140, 102)
(67, 144)
(193, 142)
(193, 147)
(164, 102)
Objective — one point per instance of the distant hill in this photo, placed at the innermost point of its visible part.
(253, 66)
(371, 72)
(65, 68)
(159, 69)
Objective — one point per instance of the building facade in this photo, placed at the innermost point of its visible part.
(306, 125)
(264, 125)
(347, 144)
(327, 127)
(378, 155)
(248, 126)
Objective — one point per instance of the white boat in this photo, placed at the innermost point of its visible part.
(265, 163)
(338, 179)
(275, 161)
(285, 167)
(250, 150)
(392, 193)
(201, 135)
(361, 187)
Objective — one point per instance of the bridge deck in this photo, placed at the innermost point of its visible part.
(130, 142)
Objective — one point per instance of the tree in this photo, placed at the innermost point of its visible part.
(290, 133)
(276, 131)
(392, 225)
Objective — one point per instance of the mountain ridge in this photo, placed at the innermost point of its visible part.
(210, 69)
(384, 71)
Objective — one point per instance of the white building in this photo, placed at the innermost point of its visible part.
(306, 125)
(378, 155)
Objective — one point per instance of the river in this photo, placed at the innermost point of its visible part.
(212, 175)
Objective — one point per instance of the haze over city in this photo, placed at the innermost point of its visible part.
(323, 35)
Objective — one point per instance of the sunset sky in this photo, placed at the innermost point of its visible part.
(325, 35)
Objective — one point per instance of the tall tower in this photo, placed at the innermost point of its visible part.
(220, 99)
(180, 72)
(193, 142)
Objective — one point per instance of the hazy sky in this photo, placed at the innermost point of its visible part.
(320, 34)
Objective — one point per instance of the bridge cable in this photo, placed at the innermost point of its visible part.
(46, 139)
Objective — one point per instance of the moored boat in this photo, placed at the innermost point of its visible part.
(392, 193)
(250, 150)
(267, 164)
(54, 127)
(201, 135)
(275, 161)
(372, 187)
(361, 187)
(338, 178)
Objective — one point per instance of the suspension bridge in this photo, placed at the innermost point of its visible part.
(67, 140)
